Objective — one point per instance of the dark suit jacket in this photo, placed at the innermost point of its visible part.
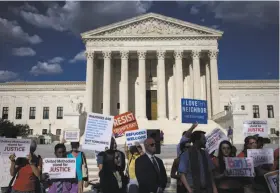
(109, 183)
(147, 177)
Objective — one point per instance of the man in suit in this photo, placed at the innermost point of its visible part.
(150, 171)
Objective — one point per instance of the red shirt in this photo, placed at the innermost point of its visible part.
(25, 180)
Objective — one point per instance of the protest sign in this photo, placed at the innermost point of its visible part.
(124, 122)
(214, 139)
(239, 167)
(272, 179)
(60, 168)
(194, 111)
(72, 135)
(135, 136)
(20, 147)
(255, 127)
(98, 132)
(5, 176)
(261, 156)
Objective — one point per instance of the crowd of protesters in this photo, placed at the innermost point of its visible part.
(195, 170)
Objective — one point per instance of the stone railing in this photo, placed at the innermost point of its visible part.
(220, 115)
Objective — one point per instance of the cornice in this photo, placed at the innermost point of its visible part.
(249, 84)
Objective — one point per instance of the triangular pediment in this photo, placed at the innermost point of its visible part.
(151, 24)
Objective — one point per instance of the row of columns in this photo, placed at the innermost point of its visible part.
(211, 78)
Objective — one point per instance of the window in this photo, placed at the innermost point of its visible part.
(5, 112)
(226, 108)
(272, 131)
(45, 112)
(270, 112)
(18, 112)
(44, 131)
(59, 113)
(32, 112)
(242, 107)
(101, 105)
(58, 132)
(256, 112)
(30, 131)
(118, 106)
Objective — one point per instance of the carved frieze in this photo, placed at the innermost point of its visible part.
(151, 26)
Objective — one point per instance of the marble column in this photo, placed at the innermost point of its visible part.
(208, 91)
(178, 54)
(107, 83)
(191, 84)
(142, 84)
(214, 82)
(161, 86)
(89, 81)
(124, 82)
(196, 74)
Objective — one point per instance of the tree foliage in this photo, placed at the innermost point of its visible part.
(10, 130)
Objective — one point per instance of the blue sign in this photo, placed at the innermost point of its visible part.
(194, 111)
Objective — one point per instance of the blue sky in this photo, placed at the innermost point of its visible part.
(40, 41)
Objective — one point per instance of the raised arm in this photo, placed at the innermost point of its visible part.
(190, 130)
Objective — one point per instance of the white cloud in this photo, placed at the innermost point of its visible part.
(7, 75)
(79, 17)
(254, 13)
(46, 68)
(56, 60)
(194, 10)
(23, 51)
(10, 30)
(79, 57)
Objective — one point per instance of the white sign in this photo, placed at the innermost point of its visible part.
(255, 127)
(98, 132)
(20, 147)
(261, 156)
(214, 139)
(237, 167)
(272, 179)
(135, 136)
(60, 168)
(72, 136)
(5, 176)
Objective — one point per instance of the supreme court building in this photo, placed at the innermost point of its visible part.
(145, 65)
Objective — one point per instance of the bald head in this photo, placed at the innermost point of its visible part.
(150, 146)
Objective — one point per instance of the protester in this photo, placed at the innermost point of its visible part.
(276, 160)
(161, 137)
(196, 166)
(111, 179)
(60, 185)
(225, 184)
(27, 172)
(250, 142)
(81, 166)
(133, 155)
(186, 136)
(180, 188)
(150, 171)
(230, 134)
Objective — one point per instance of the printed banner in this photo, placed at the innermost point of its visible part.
(20, 147)
(98, 132)
(272, 179)
(5, 176)
(194, 111)
(255, 127)
(60, 168)
(239, 167)
(214, 139)
(261, 156)
(135, 136)
(124, 122)
(72, 136)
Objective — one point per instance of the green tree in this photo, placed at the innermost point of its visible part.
(10, 130)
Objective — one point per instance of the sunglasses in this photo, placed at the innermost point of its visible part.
(152, 144)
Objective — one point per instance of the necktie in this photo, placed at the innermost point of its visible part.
(155, 165)
(59, 187)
